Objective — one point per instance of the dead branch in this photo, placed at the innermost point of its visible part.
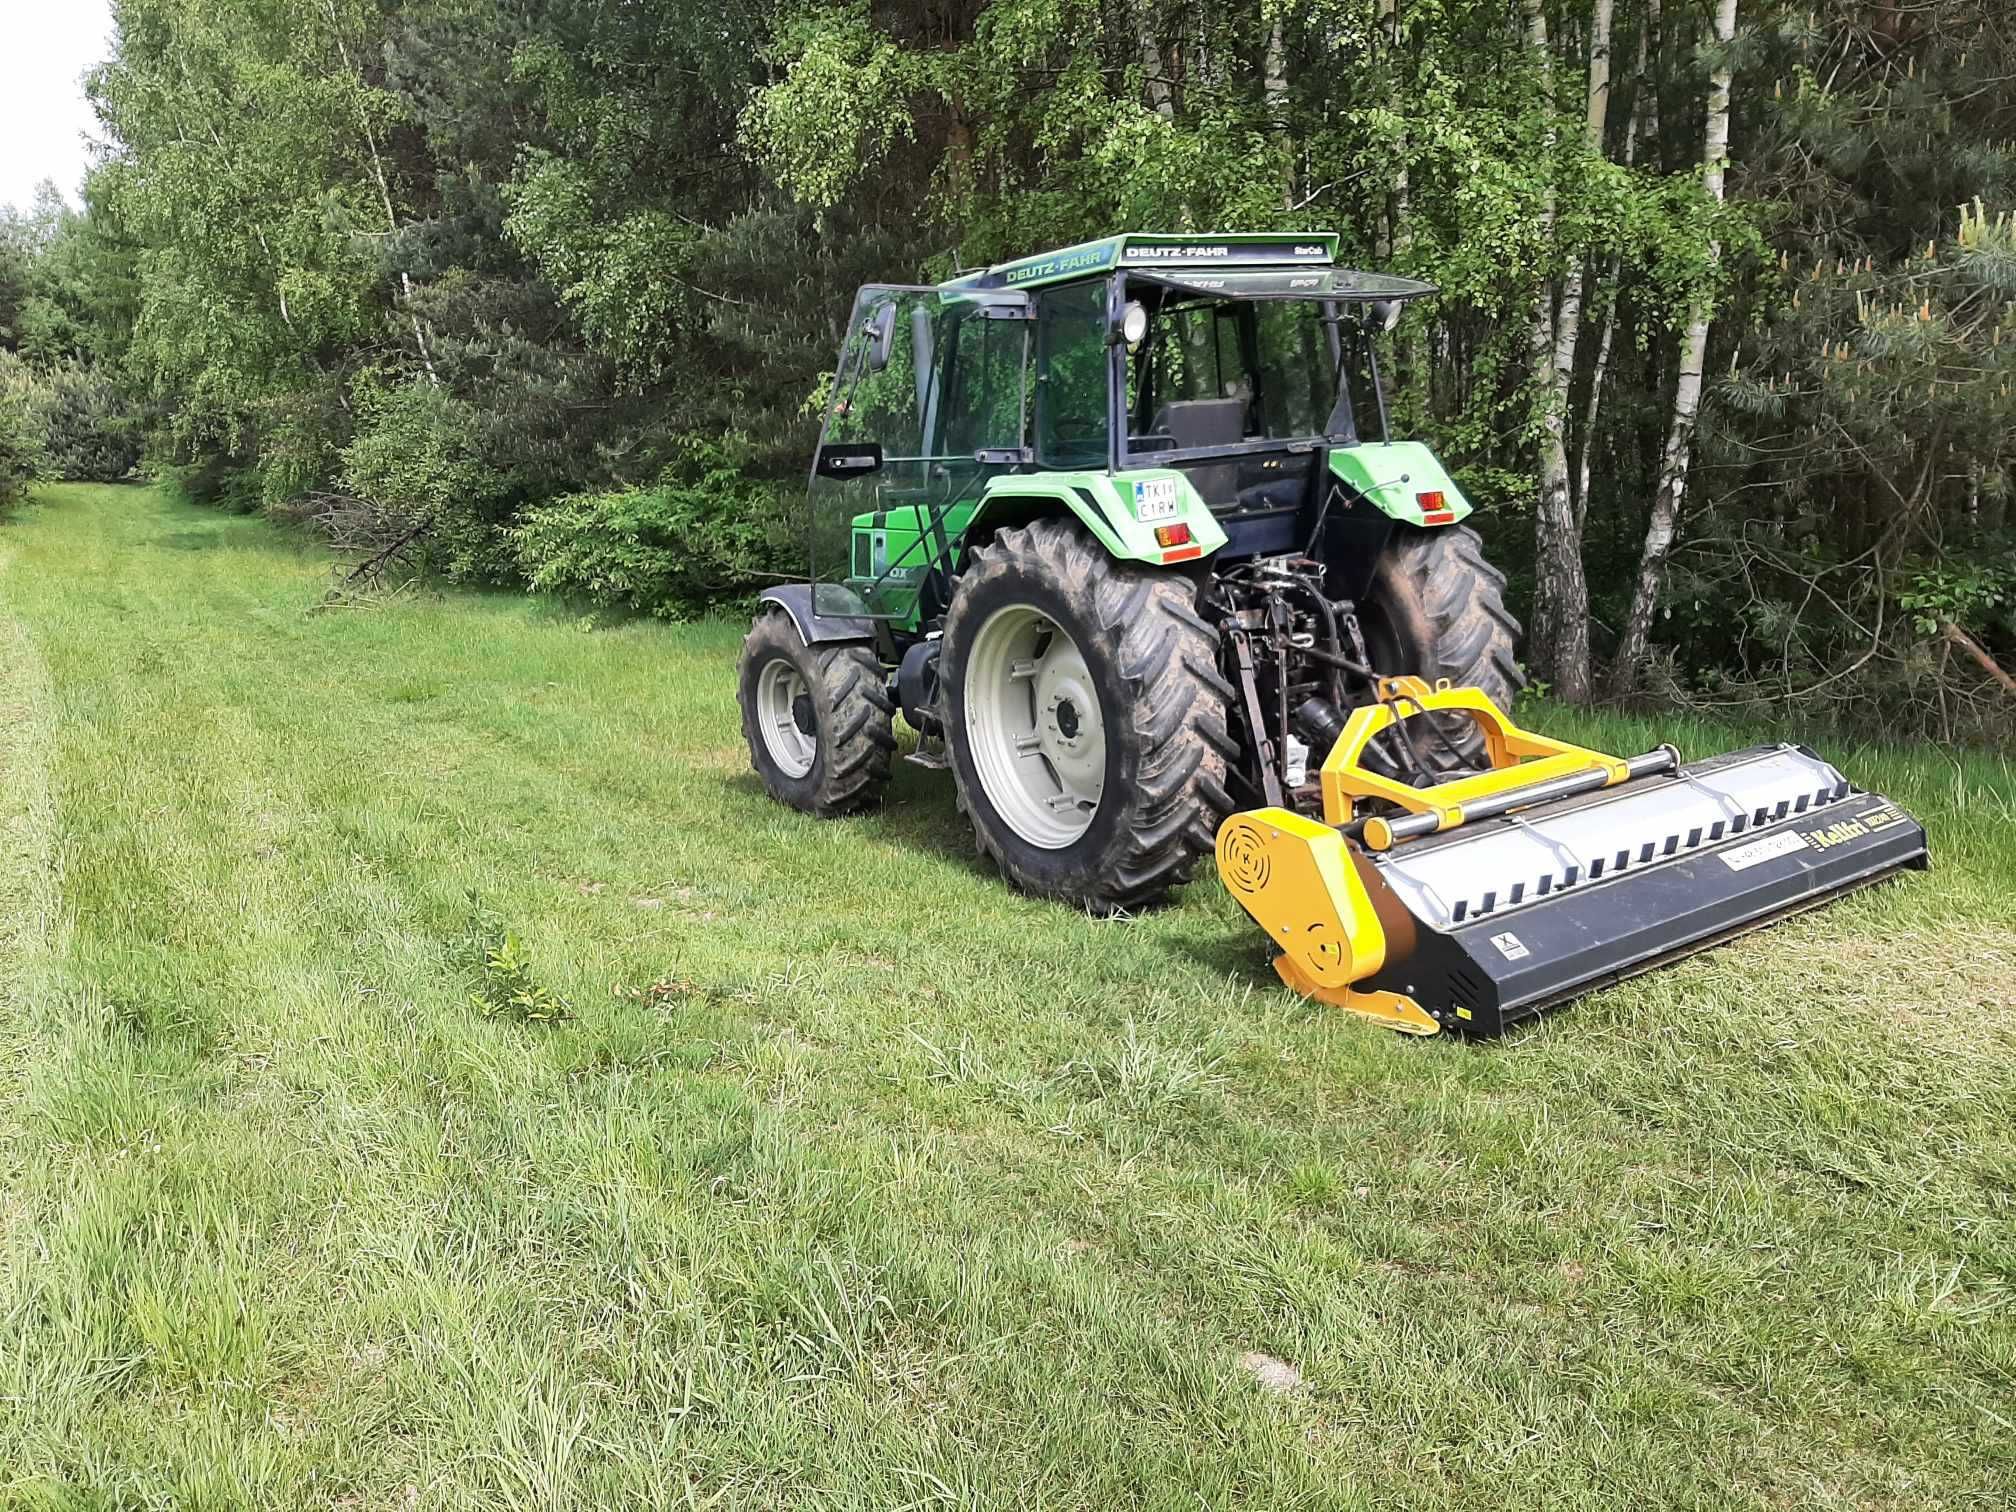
(1979, 652)
(374, 567)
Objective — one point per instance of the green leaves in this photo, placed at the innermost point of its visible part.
(509, 989)
(1978, 594)
(23, 454)
(843, 102)
(249, 177)
(494, 959)
(620, 275)
(695, 541)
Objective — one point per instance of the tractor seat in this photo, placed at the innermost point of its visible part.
(1202, 422)
(1206, 422)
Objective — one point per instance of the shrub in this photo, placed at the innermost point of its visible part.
(498, 968)
(90, 430)
(300, 444)
(223, 479)
(22, 455)
(415, 455)
(694, 541)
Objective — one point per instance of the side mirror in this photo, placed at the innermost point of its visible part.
(881, 337)
(851, 459)
(1383, 314)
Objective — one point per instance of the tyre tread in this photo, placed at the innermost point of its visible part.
(860, 719)
(1176, 710)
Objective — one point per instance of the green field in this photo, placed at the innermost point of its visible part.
(855, 1180)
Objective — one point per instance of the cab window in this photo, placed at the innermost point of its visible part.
(1071, 366)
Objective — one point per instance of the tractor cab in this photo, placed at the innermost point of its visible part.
(1222, 386)
(1212, 384)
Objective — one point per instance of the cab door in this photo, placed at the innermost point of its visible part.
(927, 404)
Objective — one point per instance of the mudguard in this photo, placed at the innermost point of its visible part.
(1122, 510)
(795, 599)
(1401, 479)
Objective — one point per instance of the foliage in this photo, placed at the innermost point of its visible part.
(60, 304)
(23, 453)
(224, 479)
(89, 426)
(696, 539)
(510, 991)
(415, 456)
(496, 962)
(1975, 592)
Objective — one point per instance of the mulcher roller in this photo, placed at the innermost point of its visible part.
(1477, 902)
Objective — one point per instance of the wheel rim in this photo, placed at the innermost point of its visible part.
(1034, 727)
(784, 715)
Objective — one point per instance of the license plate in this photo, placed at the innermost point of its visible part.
(1155, 499)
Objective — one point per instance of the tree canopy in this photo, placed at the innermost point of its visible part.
(547, 270)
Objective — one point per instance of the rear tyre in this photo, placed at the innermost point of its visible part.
(1085, 718)
(1437, 609)
(817, 718)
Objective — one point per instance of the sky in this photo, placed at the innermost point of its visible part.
(43, 114)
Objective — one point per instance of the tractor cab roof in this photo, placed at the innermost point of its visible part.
(1238, 265)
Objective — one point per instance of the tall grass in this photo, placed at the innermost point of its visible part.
(852, 1178)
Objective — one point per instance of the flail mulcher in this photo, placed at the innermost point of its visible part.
(1120, 531)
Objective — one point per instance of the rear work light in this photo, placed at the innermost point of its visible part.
(1435, 509)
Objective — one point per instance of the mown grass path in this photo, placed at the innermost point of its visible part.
(856, 1180)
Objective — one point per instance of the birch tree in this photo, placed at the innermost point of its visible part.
(1660, 529)
(1563, 610)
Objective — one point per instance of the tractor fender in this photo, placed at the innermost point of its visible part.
(1110, 506)
(795, 599)
(1395, 478)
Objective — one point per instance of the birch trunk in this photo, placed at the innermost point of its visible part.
(1386, 237)
(1402, 229)
(1585, 448)
(1562, 608)
(1568, 323)
(1659, 532)
(1276, 93)
(1154, 66)
(1396, 231)
(405, 291)
(1599, 71)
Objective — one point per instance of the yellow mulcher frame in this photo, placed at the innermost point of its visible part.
(1518, 757)
(1316, 894)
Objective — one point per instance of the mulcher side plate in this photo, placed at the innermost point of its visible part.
(1628, 881)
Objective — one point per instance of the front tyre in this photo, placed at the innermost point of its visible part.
(1085, 718)
(818, 719)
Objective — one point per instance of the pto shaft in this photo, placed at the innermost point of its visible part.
(1380, 834)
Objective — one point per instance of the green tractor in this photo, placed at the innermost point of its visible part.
(1120, 530)
(1121, 533)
